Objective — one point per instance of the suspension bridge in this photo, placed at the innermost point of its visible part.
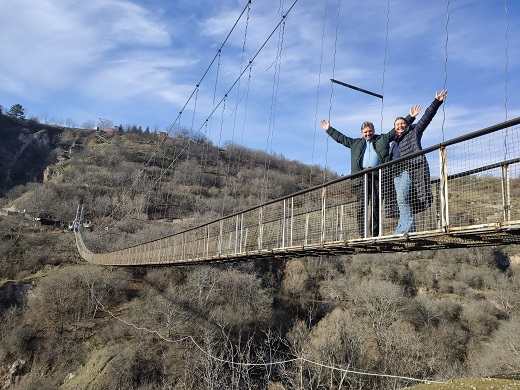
(475, 201)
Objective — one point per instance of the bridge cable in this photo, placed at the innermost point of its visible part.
(170, 196)
(191, 137)
(318, 91)
(163, 197)
(163, 203)
(152, 202)
(445, 64)
(506, 78)
(332, 87)
(506, 57)
(384, 64)
(272, 113)
(197, 87)
(206, 145)
(282, 22)
(234, 113)
(222, 210)
(239, 154)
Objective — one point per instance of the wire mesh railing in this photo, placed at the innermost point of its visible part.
(449, 194)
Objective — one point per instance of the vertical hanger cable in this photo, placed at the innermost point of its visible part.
(445, 64)
(332, 86)
(384, 64)
(318, 91)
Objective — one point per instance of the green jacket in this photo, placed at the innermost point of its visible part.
(357, 145)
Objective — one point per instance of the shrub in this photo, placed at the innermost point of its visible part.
(481, 317)
(502, 352)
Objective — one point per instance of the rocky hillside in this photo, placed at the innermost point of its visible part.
(381, 321)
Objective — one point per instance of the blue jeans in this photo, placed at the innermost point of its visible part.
(402, 185)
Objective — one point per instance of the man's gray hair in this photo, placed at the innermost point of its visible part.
(367, 124)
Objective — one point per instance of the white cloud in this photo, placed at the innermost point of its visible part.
(54, 45)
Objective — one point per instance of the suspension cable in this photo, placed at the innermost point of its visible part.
(506, 56)
(506, 77)
(173, 175)
(218, 148)
(239, 158)
(445, 64)
(334, 57)
(318, 91)
(234, 113)
(384, 64)
(208, 132)
(332, 87)
(272, 114)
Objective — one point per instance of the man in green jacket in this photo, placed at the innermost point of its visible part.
(368, 151)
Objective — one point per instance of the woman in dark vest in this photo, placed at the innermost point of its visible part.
(411, 177)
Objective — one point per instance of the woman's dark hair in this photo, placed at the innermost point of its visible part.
(404, 119)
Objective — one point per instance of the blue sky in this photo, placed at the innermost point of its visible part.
(138, 62)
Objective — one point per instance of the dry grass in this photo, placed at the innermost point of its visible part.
(470, 384)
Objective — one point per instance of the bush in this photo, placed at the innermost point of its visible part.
(502, 352)
(72, 295)
(134, 368)
(481, 317)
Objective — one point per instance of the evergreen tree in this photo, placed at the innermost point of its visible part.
(16, 112)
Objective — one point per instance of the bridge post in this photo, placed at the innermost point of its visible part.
(292, 222)
(260, 227)
(306, 229)
(241, 232)
(206, 238)
(238, 233)
(323, 205)
(506, 192)
(341, 210)
(365, 206)
(183, 246)
(380, 200)
(445, 216)
(221, 227)
(175, 249)
(284, 218)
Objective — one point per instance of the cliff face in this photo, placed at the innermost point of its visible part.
(25, 151)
